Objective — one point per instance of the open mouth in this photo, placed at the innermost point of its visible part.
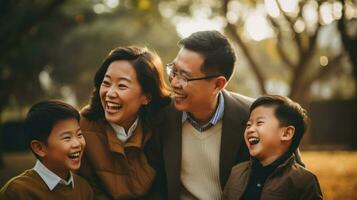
(253, 140)
(112, 107)
(74, 155)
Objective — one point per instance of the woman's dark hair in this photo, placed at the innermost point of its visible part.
(288, 112)
(149, 71)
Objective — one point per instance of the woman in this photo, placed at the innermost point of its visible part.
(129, 90)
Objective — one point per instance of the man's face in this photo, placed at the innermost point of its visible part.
(195, 95)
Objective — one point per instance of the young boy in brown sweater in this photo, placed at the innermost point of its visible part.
(274, 130)
(52, 129)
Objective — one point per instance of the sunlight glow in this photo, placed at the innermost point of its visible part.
(289, 5)
(99, 8)
(326, 13)
(112, 3)
(323, 61)
(299, 26)
(257, 26)
(185, 26)
(272, 8)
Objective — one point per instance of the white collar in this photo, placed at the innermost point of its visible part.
(50, 178)
(120, 131)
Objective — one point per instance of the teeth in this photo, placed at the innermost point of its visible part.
(253, 140)
(110, 104)
(179, 95)
(74, 155)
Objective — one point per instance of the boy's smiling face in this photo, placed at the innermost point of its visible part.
(264, 136)
(64, 148)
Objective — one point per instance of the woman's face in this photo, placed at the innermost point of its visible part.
(120, 94)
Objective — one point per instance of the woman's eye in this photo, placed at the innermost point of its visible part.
(106, 83)
(122, 86)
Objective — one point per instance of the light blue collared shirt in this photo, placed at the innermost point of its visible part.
(50, 178)
(218, 115)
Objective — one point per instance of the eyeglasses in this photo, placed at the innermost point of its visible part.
(182, 79)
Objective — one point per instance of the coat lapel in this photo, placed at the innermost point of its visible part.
(172, 141)
(235, 115)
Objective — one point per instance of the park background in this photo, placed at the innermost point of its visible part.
(306, 50)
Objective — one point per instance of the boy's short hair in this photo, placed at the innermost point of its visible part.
(43, 115)
(288, 112)
(219, 56)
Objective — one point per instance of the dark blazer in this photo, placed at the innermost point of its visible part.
(289, 181)
(233, 149)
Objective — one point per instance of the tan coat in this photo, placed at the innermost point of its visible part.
(115, 170)
(289, 181)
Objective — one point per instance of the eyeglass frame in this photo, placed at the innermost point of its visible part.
(170, 67)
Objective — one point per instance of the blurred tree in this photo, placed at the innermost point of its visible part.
(53, 48)
(295, 44)
(289, 45)
(349, 40)
(19, 20)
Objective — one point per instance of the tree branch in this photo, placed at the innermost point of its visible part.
(324, 71)
(279, 44)
(231, 28)
(297, 37)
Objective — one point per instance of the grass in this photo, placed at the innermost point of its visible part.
(336, 171)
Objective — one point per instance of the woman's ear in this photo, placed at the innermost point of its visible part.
(147, 99)
(288, 133)
(39, 148)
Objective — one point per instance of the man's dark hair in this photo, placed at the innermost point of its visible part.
(219, 57)
(43, 115)
(288, 112)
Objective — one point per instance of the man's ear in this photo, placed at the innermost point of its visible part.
(39, 148)
(288, 133)
(221, 82)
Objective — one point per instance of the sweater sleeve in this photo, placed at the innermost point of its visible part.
(13, 191)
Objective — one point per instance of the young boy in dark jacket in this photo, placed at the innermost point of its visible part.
(274, 130)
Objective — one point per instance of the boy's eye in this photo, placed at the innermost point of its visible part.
(66, 138)
(260, 122)
(80, 134)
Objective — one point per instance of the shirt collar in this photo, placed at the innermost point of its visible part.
(50, 178)
(218, 115)
(120, 131)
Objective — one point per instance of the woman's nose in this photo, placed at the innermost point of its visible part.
(111, 92)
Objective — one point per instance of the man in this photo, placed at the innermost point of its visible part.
(203, 135)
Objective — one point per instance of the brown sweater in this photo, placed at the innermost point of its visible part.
(29, 185)
(115, 170)
(288, 181)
